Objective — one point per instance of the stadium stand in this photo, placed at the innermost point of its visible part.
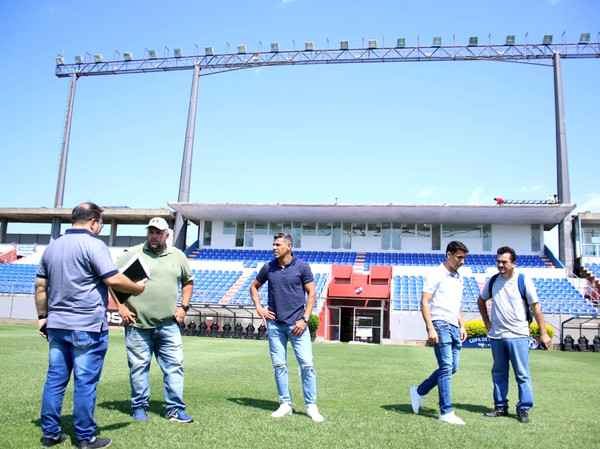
(222, 281)
(478, 263)
(231, 287)
(594, 268)
(17, 278)
(255, 258)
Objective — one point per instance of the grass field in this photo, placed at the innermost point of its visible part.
(363, 394)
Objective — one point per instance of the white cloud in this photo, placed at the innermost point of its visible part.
(476, 195)
(591, 203)
(426, 192)
(283, 2)
(527, 189)
(554, 2)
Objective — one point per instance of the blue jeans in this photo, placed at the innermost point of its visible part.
(447, 353)
(279, 334)
(81, 353)
(165, 343)
(515, 350)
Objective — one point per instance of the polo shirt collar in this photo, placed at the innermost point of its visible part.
(291, 262)
(168, 250)
(456, 274)
(80, 231)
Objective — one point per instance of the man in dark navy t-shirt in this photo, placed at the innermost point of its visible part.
(291, 298)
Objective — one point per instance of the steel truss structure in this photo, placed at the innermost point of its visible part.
(210, 63)
(546, 54)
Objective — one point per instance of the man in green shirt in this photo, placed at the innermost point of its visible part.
(152, 319)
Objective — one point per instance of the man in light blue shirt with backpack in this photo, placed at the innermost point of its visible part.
(513, 295)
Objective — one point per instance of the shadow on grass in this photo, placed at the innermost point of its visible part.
(66, 424)
(256, 403)
(68, 429)
(472, 408)
(154, 407)
(407, 409)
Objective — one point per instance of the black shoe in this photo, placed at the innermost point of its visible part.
(523, 416)
(49, 442)
(95, 443)
(498, 411)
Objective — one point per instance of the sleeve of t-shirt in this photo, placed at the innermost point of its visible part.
(430, 285)
(485, 291)
(186, 272)
(262, 274)
(102, 261)
(41, 271)
(530, 291)
(307, 276)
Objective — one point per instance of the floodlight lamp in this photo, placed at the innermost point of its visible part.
(98, 58)
(78, 59)
(437, 42)
(177, 52)
(510, 40)
(344, 45)
(152, 54)
(547, 39)
(274, 47)
(400, 42)
(127, 56)
(372, 44)
(473, 40)
(60, 60)
(208, 51)
(241, 49)
(585, 38)
(309, 46)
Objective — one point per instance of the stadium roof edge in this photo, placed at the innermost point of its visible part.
(120, 215)
(548, 215)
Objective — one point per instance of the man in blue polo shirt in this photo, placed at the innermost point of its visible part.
(290, 281)
(71, 296)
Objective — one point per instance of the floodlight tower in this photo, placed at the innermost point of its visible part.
(565, 248)
(180, 230)
(62, 172)
(545, 53)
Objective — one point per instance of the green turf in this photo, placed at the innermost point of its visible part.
(363, 394)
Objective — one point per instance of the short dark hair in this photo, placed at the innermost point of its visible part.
(509, 250)
(455, 246)
(86, 212)
(284, 236)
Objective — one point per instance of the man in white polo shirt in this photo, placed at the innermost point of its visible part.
(441, 310)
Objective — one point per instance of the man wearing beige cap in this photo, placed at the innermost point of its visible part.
(152, 319)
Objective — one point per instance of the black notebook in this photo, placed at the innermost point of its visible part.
(136, 270)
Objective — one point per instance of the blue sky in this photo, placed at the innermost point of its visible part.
(427, 133)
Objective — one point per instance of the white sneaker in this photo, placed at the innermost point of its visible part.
(416, 400)
(285, 408)
(451, 418)
(313, 413)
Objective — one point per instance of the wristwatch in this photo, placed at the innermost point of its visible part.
(185, 308)
(305, 318)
